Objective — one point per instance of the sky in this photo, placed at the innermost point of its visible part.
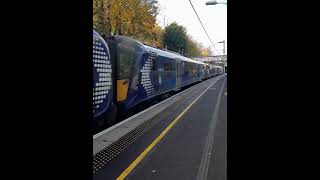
(213, 17)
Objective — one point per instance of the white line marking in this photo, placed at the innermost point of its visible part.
(205, 160)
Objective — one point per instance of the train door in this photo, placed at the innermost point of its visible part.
(178, 73)
(155, 76)
(202, 75)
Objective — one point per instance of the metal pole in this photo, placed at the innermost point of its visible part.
(224, 47)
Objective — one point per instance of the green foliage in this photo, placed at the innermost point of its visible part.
(193, 49)
(175, 37)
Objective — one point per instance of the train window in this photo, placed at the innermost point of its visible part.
(125, 61)
(168, 66)
(154, 64)
(190, 69)
(186, 68)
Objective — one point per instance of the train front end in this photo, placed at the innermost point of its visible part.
(129, 56)
(103, 106)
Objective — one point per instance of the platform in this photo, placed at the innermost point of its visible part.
(182, 137)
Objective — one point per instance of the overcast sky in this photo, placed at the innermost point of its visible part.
(213, 17)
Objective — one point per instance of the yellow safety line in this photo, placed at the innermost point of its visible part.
(126, 172)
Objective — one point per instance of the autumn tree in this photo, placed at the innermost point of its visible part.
(137, 19)
(156, 38)
(102, 22)
(206, 52)
(134, 18)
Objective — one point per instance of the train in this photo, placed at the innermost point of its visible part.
(127, 72)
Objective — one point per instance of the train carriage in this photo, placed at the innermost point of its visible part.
(144, 71)
(127, 72)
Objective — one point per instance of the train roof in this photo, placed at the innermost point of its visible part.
(95, 33)
(161, 52)
(170, 54)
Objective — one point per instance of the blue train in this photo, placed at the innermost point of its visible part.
(127, 72)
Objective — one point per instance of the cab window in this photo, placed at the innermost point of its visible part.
(125, 60)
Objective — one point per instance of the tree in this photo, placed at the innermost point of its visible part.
(137, 19)
(134, 18)
(102, 22)
(175, 37)
(157, 37)
(193, 49)
(206, 52)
